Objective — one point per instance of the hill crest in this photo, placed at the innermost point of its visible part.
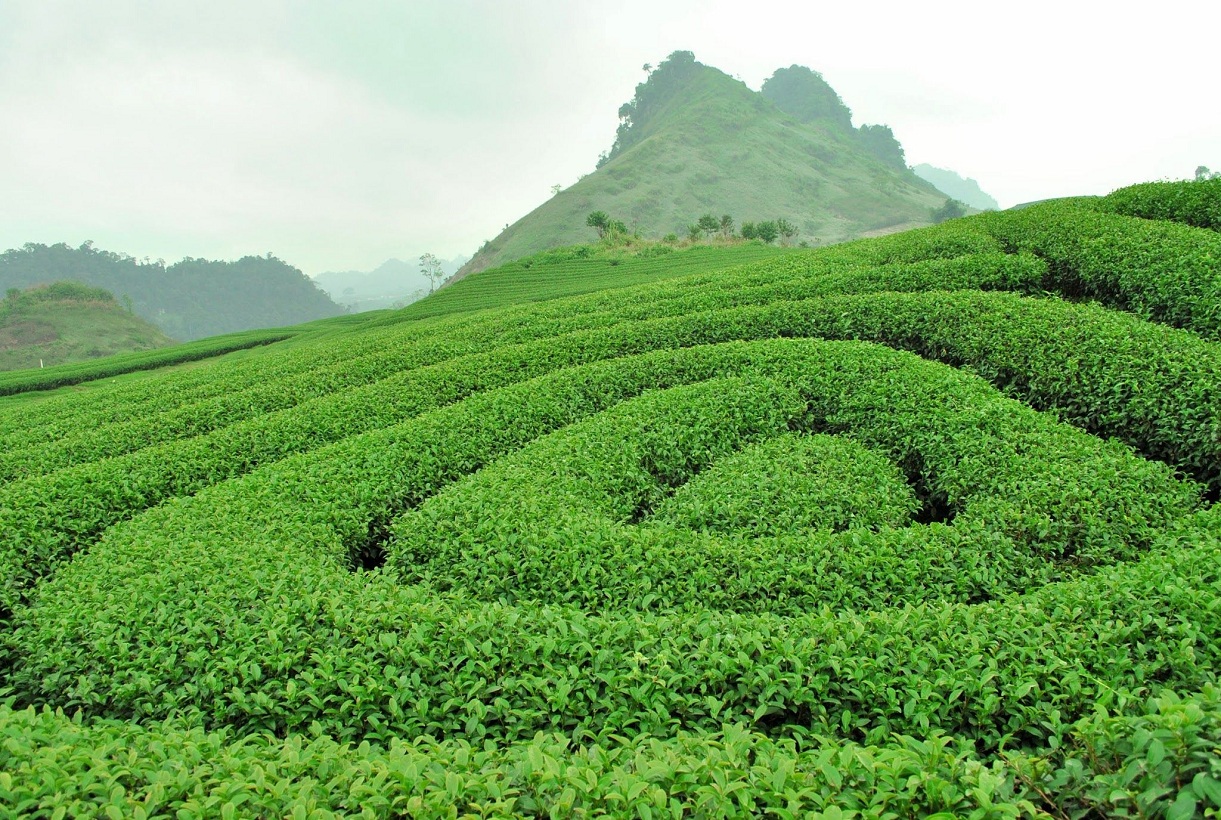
(695, 141)
(67, 322)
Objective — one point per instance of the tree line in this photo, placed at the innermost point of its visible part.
(189, 299)
(706, 227)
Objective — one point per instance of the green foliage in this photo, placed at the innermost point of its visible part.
(599, 221)
(190, 299)
(768, 231)
(888, 527)
(708, 224)
(68, 374)
(952, 209)
(726, 226)
(786, 229)
(806, 96)
(1161, 271)
(880, 141)
(1191, 203)
(56, 292)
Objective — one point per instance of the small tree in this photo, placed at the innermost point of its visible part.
(767, 231)
(708, 224)
(952, 209)
(694, 232)
(1203, 174)
(599, 221)
(749, 231)
(431, 268)
(555, 189)
(786, 229)
(726, 226)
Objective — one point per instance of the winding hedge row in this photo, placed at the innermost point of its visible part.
(555, 522)
(237, 606)
(63, 375)
(712, 544)
(1102, 768)
(1196, 203)
(1160, 271)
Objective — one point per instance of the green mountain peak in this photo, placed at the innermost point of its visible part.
(695, 141)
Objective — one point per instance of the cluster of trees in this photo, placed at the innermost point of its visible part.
(706, 227)
(188, 300)
(605, 224)
(1203, 174)
(952, 209)
(768, 231)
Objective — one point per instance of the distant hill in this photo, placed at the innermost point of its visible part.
(695, 141)
(67, 322)
(394, 283)
(188, 300)
(966, 191)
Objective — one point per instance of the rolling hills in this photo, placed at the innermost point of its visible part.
(190, 299)
(65, 323)
(696, 141)
(921, 523)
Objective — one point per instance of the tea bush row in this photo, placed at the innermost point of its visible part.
(63, 375)
(1196, 203)
(1103, 768)
(238, 606)
(555, 522)
(92, 439)
(1153, 387)
(1160, 271)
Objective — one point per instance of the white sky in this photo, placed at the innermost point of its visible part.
(338, 134)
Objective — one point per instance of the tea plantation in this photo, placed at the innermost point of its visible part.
(913, 525)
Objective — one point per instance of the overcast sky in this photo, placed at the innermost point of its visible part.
(339, 134)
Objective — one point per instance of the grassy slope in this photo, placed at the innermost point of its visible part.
(582, 269)
(62, 332)
(722, 148)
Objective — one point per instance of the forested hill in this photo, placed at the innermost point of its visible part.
(188, 300)
(695, 141)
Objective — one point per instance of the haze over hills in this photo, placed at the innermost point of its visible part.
(695, 141)
(394, 283)
(965, 190)
(65, 322)
(187, 300)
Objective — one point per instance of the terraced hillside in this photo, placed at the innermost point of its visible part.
(916, 524)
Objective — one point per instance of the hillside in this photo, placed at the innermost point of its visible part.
(63, 323)
(190, 299)
(696, 141)
(965, 190)
(919, 525)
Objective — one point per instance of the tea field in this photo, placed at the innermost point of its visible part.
(917, 525)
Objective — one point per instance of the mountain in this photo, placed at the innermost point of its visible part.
(966, 191)
(66, 322)
(188, 300)
(695, 141)
(393, 283)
